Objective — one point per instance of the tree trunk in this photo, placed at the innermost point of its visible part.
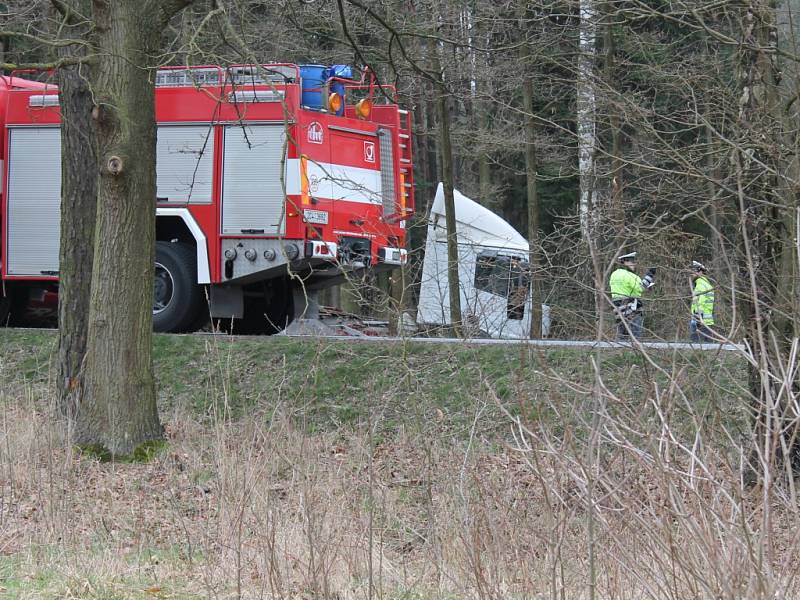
(434, 157)
(485, 179)
(586, 109)
(399, 301)
(4, 47)
(714, 218)
(118, 410)
(427, 168)
(446, 160)
(484, 112)
(616, 209)
(78, 203)
(788, 86)
(446, 153)
(767, 204)
(5, 41)
(531, 172)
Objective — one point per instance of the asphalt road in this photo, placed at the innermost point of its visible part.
(548, 343)
(535, 343)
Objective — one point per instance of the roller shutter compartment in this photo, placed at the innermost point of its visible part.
(34, 200)
(252, 196)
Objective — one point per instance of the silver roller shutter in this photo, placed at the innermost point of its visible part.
(34, 200)
(252, 197)
(185, 165)
(387, 172)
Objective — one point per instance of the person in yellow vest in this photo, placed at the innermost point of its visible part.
(702, 304)
(626, 295)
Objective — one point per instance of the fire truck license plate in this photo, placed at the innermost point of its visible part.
(319, 217)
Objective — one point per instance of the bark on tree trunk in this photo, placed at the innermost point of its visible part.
(714, 218)
(448, 183)
(586, 108)
(617, 212)
(485, 179)
(78, 204)
(399, 300)
(118, 411)
(434, 159)
(767, 206)
(4, 47)
(484, 113)
(788, 86)
(531, 170)
(421, 144)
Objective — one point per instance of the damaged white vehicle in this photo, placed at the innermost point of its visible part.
(493, 270)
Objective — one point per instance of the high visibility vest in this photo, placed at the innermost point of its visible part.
(703, 300)
(625, 284)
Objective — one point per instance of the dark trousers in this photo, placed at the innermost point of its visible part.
(699, 333)
(634, 323)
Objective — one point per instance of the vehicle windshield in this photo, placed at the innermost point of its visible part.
(504, 276)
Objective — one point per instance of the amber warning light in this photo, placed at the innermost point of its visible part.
(334, 102)
(363, 108)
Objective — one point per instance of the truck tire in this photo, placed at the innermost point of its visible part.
(268, 309)
(5, 309)
(280, 306)
(177, 297)
(275, 309)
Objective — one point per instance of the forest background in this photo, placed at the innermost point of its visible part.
(591, 127)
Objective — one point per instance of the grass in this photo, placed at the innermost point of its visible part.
(22, 577)
(332, 384)
(305, 469)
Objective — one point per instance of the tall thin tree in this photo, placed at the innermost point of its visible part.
(586, 111)
(531, 175)
(448, 183)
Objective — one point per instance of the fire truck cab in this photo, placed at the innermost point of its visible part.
(273, 182)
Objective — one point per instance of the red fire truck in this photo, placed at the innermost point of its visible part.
(274, 181)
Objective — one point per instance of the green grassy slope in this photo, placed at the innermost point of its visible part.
(329, 384)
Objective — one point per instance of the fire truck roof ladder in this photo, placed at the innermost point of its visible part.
(406, 163)
(237, 75)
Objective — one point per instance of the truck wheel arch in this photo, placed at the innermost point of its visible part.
(166, 220)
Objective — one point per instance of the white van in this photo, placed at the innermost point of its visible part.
(493, 273)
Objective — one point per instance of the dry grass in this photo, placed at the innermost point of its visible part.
(617, 503)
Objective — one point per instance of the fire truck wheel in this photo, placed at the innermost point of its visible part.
(279, 306)
(5, 308)
(267, 309)
(177, 298)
